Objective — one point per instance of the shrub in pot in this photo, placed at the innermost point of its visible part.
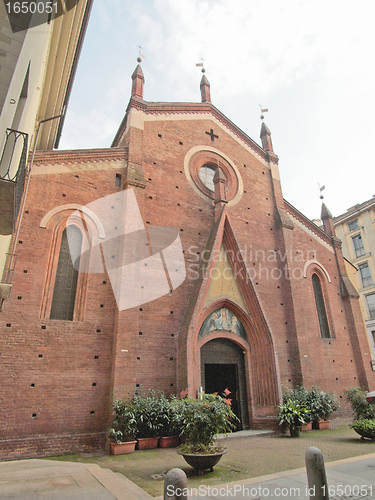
(329, 404)
(365, 427)
(300, 396)
(292, 414)
(170, 429)
(321, 405)
(361, 408)
(124, 427)
(200, 420)
(148, 413)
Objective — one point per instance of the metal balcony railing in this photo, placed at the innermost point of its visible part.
(10, 264)
(13, 172)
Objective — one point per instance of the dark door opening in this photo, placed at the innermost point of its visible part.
(217, 378)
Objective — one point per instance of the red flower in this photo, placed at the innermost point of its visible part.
(227, 391)
(228, 401)
(183, 394)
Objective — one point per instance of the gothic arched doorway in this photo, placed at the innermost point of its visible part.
(223, 367)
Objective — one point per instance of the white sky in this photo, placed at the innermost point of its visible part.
(310, 62)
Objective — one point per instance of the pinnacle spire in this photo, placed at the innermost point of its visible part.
(265, 135)
(205, 89)
(325, 213)
(138, 80)
(327, 220)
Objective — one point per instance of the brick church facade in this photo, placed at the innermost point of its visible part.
(264, 300)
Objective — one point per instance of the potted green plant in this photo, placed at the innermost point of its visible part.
(301, 396)
(322, 405)
(329, 404)
(365, 427)
(124, 427)
(361, 408)
(292, 414)
(363, 412)
(200, 420)
(170, 430)
(148, 414)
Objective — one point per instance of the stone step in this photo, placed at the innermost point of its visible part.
(112, 483)
(118, 483)
(141, 494)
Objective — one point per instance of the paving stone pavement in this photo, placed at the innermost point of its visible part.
(256, 466)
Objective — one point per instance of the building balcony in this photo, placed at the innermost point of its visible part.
(12, 178)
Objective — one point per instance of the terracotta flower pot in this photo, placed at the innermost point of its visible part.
(122, 448)
(147, 443)
(306, 427)
(169, 441)
(324, 424)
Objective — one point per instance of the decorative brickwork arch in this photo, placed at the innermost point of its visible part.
(263, 388)
(316, 264)
(56, 221)
(258, 385)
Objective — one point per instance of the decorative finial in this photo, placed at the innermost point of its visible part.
(140, 55)
(201, 65)
(321, 189)
(262, 110)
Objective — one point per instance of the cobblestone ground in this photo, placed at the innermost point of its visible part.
(247, 457)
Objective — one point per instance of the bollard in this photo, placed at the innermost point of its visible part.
(175, 485)
(316, 474)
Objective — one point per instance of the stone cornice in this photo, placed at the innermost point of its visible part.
(80, 156)
(168, 108)
(356, 210)
(307, 223)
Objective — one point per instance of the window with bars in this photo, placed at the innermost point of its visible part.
(358, 245)
(365, 274)
(64, 292)
(370, 299)
(320, 307)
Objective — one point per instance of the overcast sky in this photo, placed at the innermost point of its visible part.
(310, 62)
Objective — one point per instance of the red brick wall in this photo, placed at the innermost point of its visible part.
(70, 412)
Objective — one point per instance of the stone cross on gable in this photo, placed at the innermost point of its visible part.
(213, 136)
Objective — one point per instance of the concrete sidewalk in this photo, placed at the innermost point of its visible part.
(258, 465)
(352, 478)
(52, 480)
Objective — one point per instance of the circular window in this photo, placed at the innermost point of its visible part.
(202, 168)
(206, 175)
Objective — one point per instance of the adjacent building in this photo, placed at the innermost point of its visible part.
(356, 229)
(37, 68)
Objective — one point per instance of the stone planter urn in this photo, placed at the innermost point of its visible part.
(201, 463)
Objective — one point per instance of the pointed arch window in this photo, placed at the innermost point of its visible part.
(64, 292)
(320, 307)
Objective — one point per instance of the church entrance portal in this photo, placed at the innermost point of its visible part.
(218, 377)
(223, 367)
